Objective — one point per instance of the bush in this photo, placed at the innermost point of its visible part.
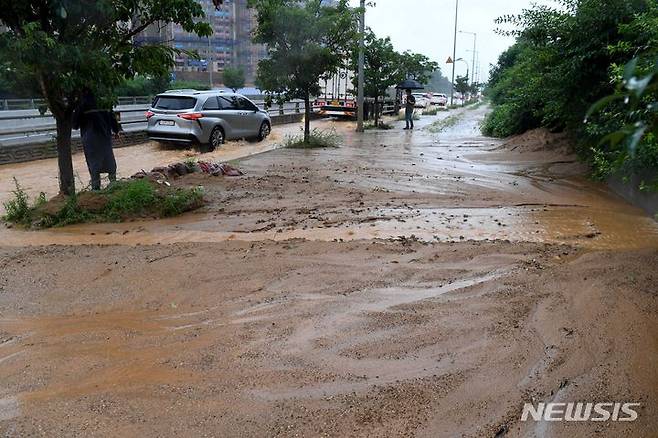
(505, 120)
(318, 139)
(569, 57)
(143, 86)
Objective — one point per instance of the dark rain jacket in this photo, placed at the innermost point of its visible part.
(96, 128)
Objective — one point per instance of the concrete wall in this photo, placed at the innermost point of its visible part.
(39, 151)
(629, 190)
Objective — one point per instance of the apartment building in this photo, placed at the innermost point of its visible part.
(230, 43)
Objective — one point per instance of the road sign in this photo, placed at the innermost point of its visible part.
(449, 61)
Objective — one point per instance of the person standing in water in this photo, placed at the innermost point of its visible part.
(96, 128)
(409, 110)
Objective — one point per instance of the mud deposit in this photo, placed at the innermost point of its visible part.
(405, 284)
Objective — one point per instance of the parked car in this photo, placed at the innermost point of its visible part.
(438, 99)
(421, 100)
(205, 118)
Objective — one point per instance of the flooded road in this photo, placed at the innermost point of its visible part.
(41, 176)
(465, 188)
(424, 283)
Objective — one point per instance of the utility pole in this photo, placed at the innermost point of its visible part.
(361, 73)
(454, 56)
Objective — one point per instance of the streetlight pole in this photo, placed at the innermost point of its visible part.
(361, 73)
(475, 38)
(465, 62)
(454, 56)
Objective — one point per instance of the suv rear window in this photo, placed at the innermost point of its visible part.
(174, 102)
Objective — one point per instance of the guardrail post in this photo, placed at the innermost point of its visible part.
(5, 105)
(297, 107)
(281, 111)
(134, 100)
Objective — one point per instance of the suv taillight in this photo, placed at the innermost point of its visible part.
(191, 116)
(149, 114)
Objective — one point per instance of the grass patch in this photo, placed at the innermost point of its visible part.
(318, 138)
(443, 124)
(122, 200)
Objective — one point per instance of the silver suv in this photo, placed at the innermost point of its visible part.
(205, 118)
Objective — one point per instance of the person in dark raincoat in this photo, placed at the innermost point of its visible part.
(96, 129)
(409, 110)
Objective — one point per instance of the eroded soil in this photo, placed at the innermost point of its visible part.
(405, 284)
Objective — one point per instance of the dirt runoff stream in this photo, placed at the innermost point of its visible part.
(405, 284)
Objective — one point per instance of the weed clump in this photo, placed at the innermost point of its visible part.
(18, 208)
(317, 139)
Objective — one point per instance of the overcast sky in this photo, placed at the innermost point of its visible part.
(427, 27)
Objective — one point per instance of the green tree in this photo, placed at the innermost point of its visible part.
(382, 68)
(143, 85)
(462, 86)
(417, 66)
(63, 46)
(306, 41)
(564, 60)
(561, 61)
(233, 78)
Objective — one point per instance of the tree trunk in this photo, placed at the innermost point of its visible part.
(307, 117)
(64, 159)
(376, 112)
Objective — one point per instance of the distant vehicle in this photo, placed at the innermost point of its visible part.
(336, 97)
(421, 100)
(438, 99)
(205, 117)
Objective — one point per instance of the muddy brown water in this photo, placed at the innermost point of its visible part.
(41, 176)
(562, 208)
(305, 299)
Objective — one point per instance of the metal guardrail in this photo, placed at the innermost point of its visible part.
(21, 104)
(39, 127)
(48, 127)
(40, 104)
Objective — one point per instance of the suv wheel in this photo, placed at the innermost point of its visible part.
(216, 138)
(264, 131)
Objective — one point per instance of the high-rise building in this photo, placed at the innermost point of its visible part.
(230, 44)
